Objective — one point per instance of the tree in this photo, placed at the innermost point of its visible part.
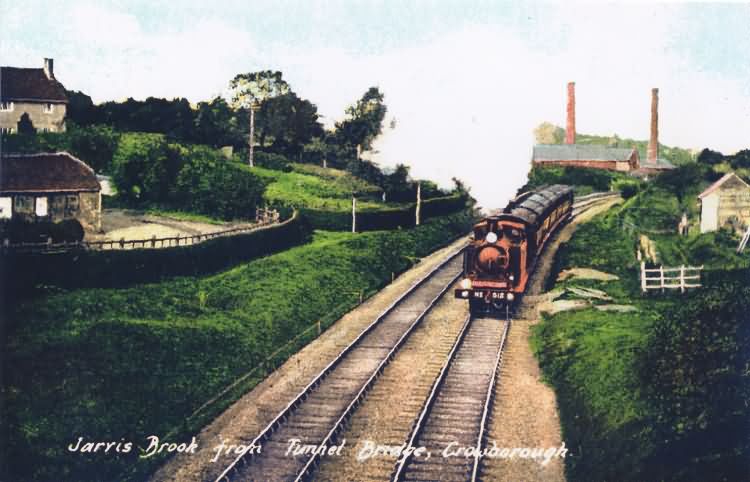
(545, 133)
(364, 122)
(250, 90)
(707, 156)
(288, 123)
(740, 159)
(217, 124)
(81, 109)
(144, 166)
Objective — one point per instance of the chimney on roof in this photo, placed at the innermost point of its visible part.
(570, 128)
(49, 68)
(653, 142)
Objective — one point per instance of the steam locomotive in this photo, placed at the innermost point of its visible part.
(506, 246)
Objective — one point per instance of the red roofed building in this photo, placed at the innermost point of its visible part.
(49, 187)
(31, 97)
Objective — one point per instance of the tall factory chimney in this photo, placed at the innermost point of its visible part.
(570, 128)
(653, 142)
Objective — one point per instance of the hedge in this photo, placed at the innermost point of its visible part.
(26, 272)
(385, 219)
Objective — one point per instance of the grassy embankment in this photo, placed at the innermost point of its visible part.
(659, 393)
(113, 364)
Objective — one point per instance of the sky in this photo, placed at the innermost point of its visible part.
(465, 81)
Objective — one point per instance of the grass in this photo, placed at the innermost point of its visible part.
(608, 369)
(122, 364)
(311, 191)
(345, 180)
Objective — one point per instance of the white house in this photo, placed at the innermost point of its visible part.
(725, 202)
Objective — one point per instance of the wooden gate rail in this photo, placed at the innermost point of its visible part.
(683, 280)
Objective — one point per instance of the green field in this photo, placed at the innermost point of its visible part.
(326, 190)
(125, 363)
(660, 393)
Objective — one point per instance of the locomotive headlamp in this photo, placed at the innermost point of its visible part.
(466, 283)
(491, 238)
(510, 296)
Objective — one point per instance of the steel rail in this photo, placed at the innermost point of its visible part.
(488, 403)
(437, 384)
(276, 422)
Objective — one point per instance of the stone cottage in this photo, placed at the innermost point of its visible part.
(49, 187)
(725, 203)
(31, 98)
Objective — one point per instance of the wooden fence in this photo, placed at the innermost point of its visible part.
(662, 278)
(264, 218)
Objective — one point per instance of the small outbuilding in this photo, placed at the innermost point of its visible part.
(725, 203)
(49, 187)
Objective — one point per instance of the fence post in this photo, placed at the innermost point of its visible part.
(661, 274)
(319, 330)
(682, 278)
(643, 276)
(419, 201)
(361, 296)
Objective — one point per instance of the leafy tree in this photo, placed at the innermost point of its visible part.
(547, 133)
(682, 180)
(364, 122)
(81, 109)
(397, 185)
(289, 123)
(707, 156)
(144, 166)
(741, 159)
(217, 124)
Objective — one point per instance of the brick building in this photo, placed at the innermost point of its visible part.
(725, 203)
(49, 187)
(31, 98)
(585, 155)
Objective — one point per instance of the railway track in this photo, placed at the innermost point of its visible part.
(582, 203)
(452, 423)
(319, 412)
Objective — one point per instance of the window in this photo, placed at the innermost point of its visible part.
(45, 129)
(41, 206)
(6, 207)
(6, 106)
(71, 206)
(6, 130)
(49, 108)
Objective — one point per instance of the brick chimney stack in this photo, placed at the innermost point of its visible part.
(653, 141)
(49, 68)
(570, 128)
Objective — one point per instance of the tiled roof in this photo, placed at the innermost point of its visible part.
(29, 84)
(659, 164)
(580, 152)
(47, 172)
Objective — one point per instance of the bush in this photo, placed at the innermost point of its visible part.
(627, 188)
(594, 179)
(270, 160)
(209, 184)
(144, 165)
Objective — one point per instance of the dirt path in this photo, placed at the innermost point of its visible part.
(249, 415)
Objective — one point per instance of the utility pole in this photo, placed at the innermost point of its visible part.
(419, 200)
(354, 214)
(251, 151)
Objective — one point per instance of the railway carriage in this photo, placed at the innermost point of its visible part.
(506, 246)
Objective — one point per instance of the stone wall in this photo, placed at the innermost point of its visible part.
(83, 206)
(52, 121)
(734, 206)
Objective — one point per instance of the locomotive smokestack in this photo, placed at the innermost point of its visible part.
(570, 128)
(653, 141)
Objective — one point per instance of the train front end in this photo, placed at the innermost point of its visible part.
(494, 274)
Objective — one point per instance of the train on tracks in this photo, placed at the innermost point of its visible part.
(506, 246)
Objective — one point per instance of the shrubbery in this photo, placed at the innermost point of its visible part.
(269, 160)
(583, 179)
(150, 171)
(95, 145)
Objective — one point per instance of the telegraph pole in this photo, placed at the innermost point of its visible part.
(251, 153)
(419, 200)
